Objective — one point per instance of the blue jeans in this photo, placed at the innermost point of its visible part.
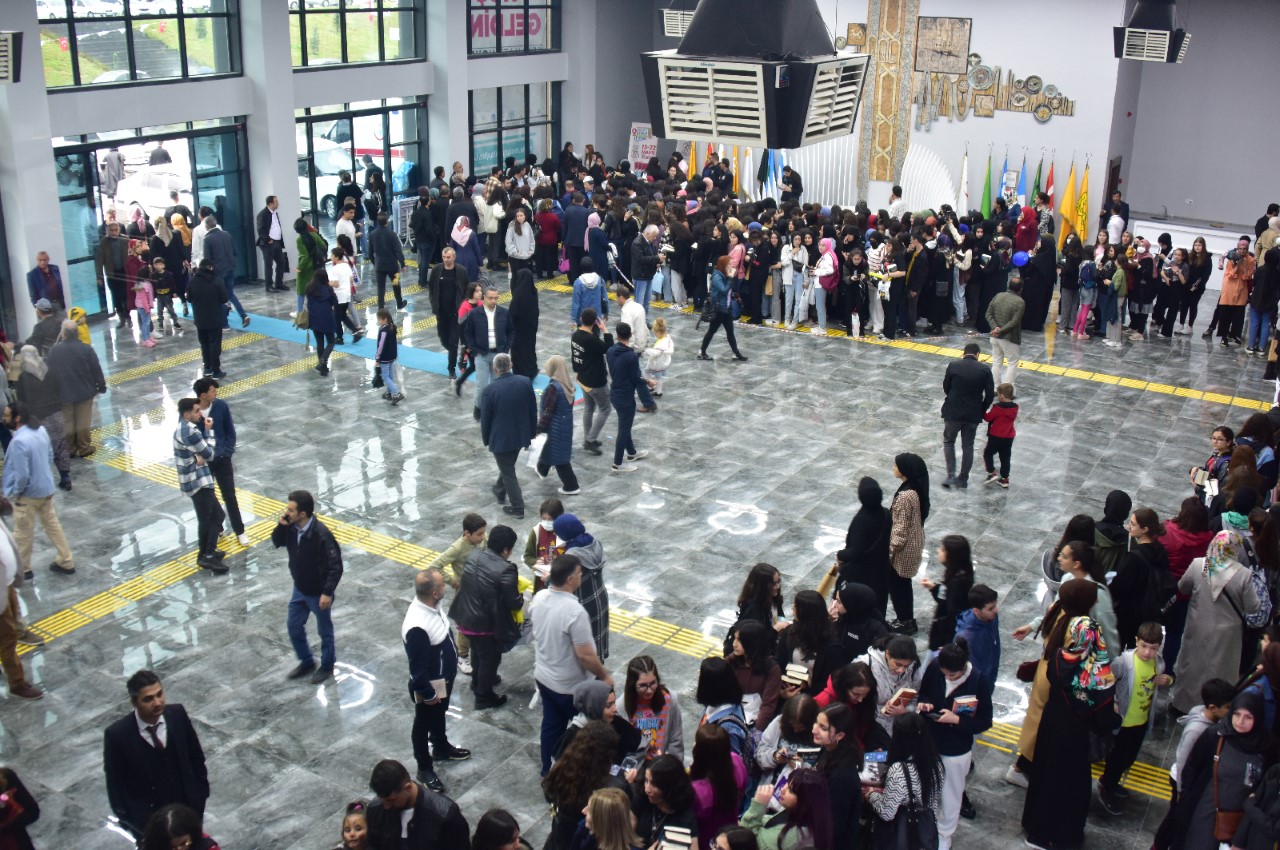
(626, 409)
(229, 281)
(300, 606)
(792, 311)
(557, 711)
(388, 370)
(144, 324)
(484, 372)
(1260, 328)
(644, 291)
(820, 301)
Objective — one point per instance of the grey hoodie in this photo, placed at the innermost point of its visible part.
(1194, 724)
(887, 684)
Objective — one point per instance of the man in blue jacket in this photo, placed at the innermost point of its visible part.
(624, 371)
(215, 410)
(45, 281)
(980, 627)
(508, 420)
(575, 233)
(487, 332)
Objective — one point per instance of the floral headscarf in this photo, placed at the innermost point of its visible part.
(1085, 652)
(1223, 560)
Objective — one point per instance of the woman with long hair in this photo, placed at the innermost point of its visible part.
(951, 595)
(1199, 268)
(607, 823)
(321, 306)
(779, 749)
(1081, 702)
(720, 696)
(719, 780)
(761, 596)
(805, 819)
(497, 829)
(909, 511)
(1258, 434)
(810, 641)
(840, 762)
(1145, 565)
(582, 769)
(662, 798)
(855, 686)
(758, 673)
(912, 783)
(555, 419)
(521, 241)
(794, 259)
(651, 707)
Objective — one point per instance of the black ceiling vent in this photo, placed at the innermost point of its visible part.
(755, 72)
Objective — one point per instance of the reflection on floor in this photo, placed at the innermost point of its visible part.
(750, 461)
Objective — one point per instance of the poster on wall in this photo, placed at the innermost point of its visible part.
(942, 45)
(641, 144)
(513, 26)
(1009, 187)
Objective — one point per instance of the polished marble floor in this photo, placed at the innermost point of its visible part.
(749, 461)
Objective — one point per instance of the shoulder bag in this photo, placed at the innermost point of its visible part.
(1224, 823)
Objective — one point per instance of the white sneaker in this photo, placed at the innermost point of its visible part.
(244, 539)
(791, 327)
(464, 666)
(640, 455)
(1013, 777)
(625, 467)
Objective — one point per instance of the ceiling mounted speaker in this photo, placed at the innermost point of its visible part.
(755, 72)
(1152, 34)
(10, 57)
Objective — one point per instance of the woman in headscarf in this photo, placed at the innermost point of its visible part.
(139, 227)
(865, 556)
(466, 245)
(524, 320)
(909, 510)
(1081, 701)
(654, 170)
(1221, 597)
(993, 272)
(1028, 231)
(181, 272)
(555, 419)
(595, 700)
(859, 622)
(1038, 278)
(39, 390)
(596, 242)
(1110, 537)
(1076, 598)
(591, 592)
(1225, 765)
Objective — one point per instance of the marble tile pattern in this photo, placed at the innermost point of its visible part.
(749, 461)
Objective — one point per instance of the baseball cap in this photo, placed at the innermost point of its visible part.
(44, 305)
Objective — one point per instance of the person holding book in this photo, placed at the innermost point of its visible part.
(1138, 673)
(897, 672)
(955, 700)
(663, 802)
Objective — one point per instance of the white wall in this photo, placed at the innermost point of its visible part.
(1206, 129)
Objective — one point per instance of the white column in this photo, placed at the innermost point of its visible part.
(27, 175)
(273, 152)
(578, 38)
(448, 118)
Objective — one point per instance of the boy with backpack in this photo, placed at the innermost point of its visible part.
(1138, 673)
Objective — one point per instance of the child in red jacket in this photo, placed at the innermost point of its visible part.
(1000, 434)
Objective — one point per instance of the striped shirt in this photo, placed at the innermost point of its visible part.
(188, 444)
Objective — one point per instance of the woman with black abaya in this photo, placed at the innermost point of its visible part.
(524, 319)
(865, 556)
(1038, 278)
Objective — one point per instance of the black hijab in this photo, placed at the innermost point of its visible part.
(1256, 739)
(916, 473)
(1044, 259)
(524, 298)
(1114, 514)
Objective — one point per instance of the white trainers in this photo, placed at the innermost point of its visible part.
(1013, 777)
(244, 539)
(625, 467)
(640, 455)
(464, 666)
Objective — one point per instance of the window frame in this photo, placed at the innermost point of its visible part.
(551, 122)
(340, 9)
(552, 7)
(180, 16)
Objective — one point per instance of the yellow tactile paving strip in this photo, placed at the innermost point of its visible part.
(117, 378)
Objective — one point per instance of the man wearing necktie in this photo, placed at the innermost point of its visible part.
(152, 757)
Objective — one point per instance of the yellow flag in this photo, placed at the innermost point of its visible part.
(1082, 209)
(736, 168)
(1068, 208)
(691, 163)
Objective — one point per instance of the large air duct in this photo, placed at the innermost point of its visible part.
(1152, 34)
(755, 72)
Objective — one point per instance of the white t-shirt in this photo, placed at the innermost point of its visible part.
(340, 273)
(347, 227)
(633, 314)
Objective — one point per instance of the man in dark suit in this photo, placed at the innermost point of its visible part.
(447, 286)
(435, 822)
(487, 332)
(388, 260)
(152, 757)
(508, 419)
(969, 389)
(271, 243)
(575, 233)
(315, 562)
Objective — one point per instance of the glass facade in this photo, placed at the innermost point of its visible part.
(110, 42)
(513, 121)
(497, 27)
(343, 32)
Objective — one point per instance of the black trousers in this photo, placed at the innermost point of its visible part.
(515, 264)
(1002, 446)
(565, 470)
(209, 518)
(342, 316)
(273, 256)
(382, 278)
(1189, 307)
(547, 259)
(752, 299)
(900, 595)
(324, 347)
(484, 665)
(1167, 303)
(119, 298)
(225, 474)
(210, 349)
(429, 731)
(575, 256)
(1232, 324)
(448, 333)
(1128, 742)
(721, 320)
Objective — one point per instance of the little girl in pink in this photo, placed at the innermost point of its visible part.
(144, 298)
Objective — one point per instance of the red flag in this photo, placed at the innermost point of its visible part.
(1048, 189)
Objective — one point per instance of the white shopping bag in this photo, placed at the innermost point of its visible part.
(535, 451)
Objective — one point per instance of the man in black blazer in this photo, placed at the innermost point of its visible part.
(315, 562)
(448, 285)
(271, 243)
(152, 757)
(508, 419)
(487, 332)
(970, 390)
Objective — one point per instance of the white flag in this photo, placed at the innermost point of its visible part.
(963, 194)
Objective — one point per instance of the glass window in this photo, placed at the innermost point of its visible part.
(108, 42)
(512, 121)
(360, 31)
(512, 26)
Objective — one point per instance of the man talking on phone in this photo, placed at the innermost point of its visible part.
(315, 562)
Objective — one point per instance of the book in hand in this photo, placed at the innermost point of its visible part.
(964, 705)
(676, 838)
(902, 698)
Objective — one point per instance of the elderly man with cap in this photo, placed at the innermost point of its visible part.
(47, 328)
(80, 380)
(45, 282)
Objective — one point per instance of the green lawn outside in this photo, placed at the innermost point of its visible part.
(57, 62)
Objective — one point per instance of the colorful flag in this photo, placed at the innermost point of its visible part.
(1035, 191)
(1068, 208)
(1022, 183)
(962, 197)
(986, 190)
(1082, 208)
(1048, 189)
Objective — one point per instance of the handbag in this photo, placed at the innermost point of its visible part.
(1027, 671)
(914, 827)
(564, 261)
(303, 320)
(1225, 824)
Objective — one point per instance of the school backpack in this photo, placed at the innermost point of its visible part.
(1088, 276)
(750, 737)
(1258, 580)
